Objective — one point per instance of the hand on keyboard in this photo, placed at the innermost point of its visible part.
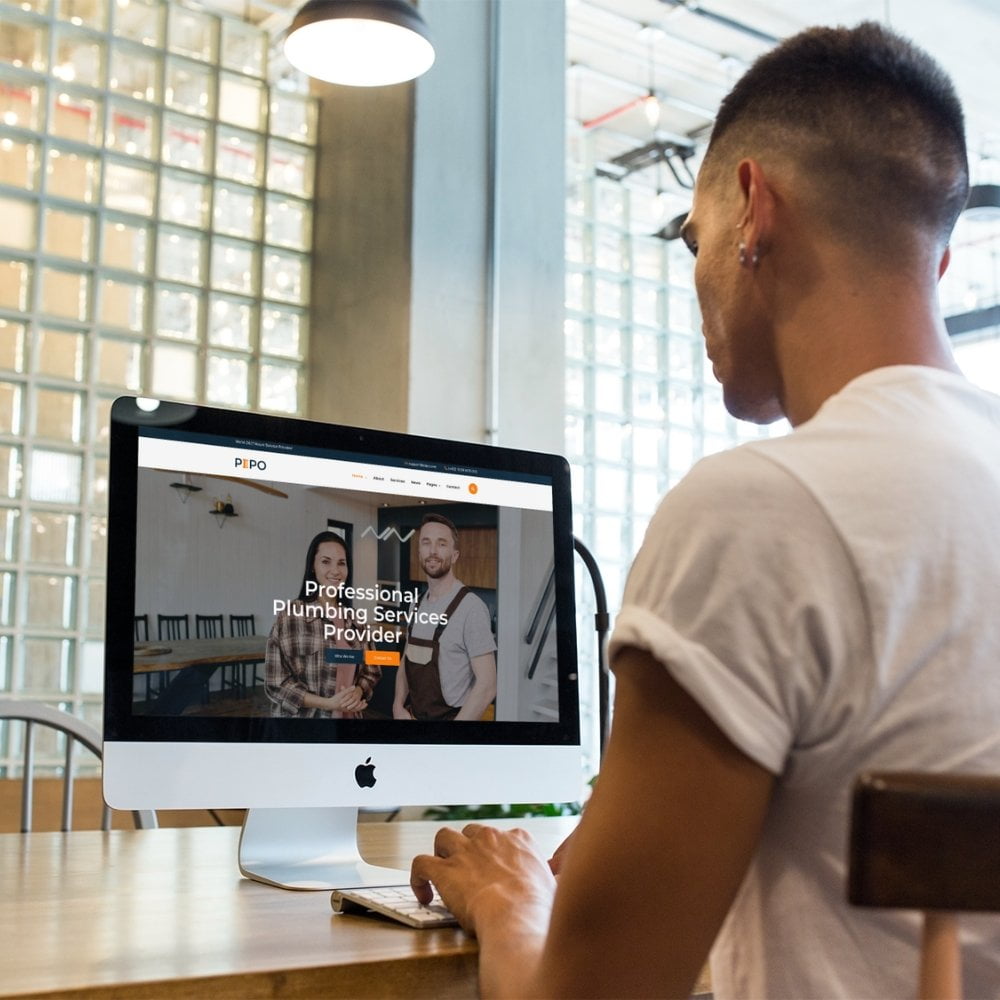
(394, 901)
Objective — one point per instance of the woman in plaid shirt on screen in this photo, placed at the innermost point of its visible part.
(310, 672)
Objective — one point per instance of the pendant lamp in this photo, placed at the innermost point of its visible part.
(361, 43)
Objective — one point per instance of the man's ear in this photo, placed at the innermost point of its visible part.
(945, 261)
(757, 218)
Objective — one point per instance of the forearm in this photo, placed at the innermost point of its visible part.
(310, 700)
(484, 690)
(399, 710)
(510, 951)
(501, 889)
(475, 704)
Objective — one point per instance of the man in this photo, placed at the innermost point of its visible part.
(802, 609)
(449, 668)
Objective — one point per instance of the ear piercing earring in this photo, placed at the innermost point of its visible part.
(751, 258)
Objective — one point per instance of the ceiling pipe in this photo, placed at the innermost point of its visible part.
(636, 102)
(643, 93)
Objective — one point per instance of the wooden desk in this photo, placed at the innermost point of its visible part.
(165, 913)
(191, 652)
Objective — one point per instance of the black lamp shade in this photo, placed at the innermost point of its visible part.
(361, 43)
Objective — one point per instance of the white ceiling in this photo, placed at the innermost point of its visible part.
(618, 50)
(684, 51)
(690, 52)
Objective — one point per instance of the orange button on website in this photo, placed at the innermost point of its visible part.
(381, 658)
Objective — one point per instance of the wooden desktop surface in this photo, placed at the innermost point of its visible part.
(165, 913)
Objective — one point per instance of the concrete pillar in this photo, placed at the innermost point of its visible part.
(358, 370)
(438, 270)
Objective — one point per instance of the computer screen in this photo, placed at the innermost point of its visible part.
(304, 619)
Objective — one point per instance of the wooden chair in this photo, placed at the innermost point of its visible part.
(928, 842)
(173, 627)
(212, 627)
(76, 731)
(208, 626)
(242, 625)
(142, 635)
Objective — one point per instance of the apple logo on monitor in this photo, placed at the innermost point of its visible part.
(364, 774)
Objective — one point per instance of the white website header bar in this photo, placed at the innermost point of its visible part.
(336, 474)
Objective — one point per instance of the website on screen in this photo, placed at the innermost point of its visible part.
(285, 582)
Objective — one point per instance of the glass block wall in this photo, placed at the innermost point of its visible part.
(971, 286)
(642, 405)
(155, 208)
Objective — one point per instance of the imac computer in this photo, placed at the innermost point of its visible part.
(306, 619)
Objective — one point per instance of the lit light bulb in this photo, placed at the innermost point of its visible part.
(358, 51)
(651, 107)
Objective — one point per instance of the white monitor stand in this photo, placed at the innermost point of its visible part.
(309, 848)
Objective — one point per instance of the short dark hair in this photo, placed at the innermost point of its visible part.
(439, 519)
(309, 572)
(873, 118)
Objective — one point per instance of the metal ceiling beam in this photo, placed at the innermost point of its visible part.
(722, 19)
(674, 155)
(631, 25)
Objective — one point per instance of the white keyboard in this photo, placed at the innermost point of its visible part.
(394, 901)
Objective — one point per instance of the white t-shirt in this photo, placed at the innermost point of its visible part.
(831, 600)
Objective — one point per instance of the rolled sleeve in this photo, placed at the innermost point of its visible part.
(368, 677)
(747, 719)
(744, 592)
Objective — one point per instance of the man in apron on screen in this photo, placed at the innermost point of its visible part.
(449, 668)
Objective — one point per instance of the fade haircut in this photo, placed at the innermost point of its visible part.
(872, 123)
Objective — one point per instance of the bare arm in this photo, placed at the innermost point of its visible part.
(484, 669)
(399, 710)
(654, 865)
(351, 699)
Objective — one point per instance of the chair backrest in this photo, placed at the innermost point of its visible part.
(927, 842)
(35, 714)
(142, 628)
(242, 625)
(208, 626)
(173, 627)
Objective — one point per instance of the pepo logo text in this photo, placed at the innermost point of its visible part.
(251, 463)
